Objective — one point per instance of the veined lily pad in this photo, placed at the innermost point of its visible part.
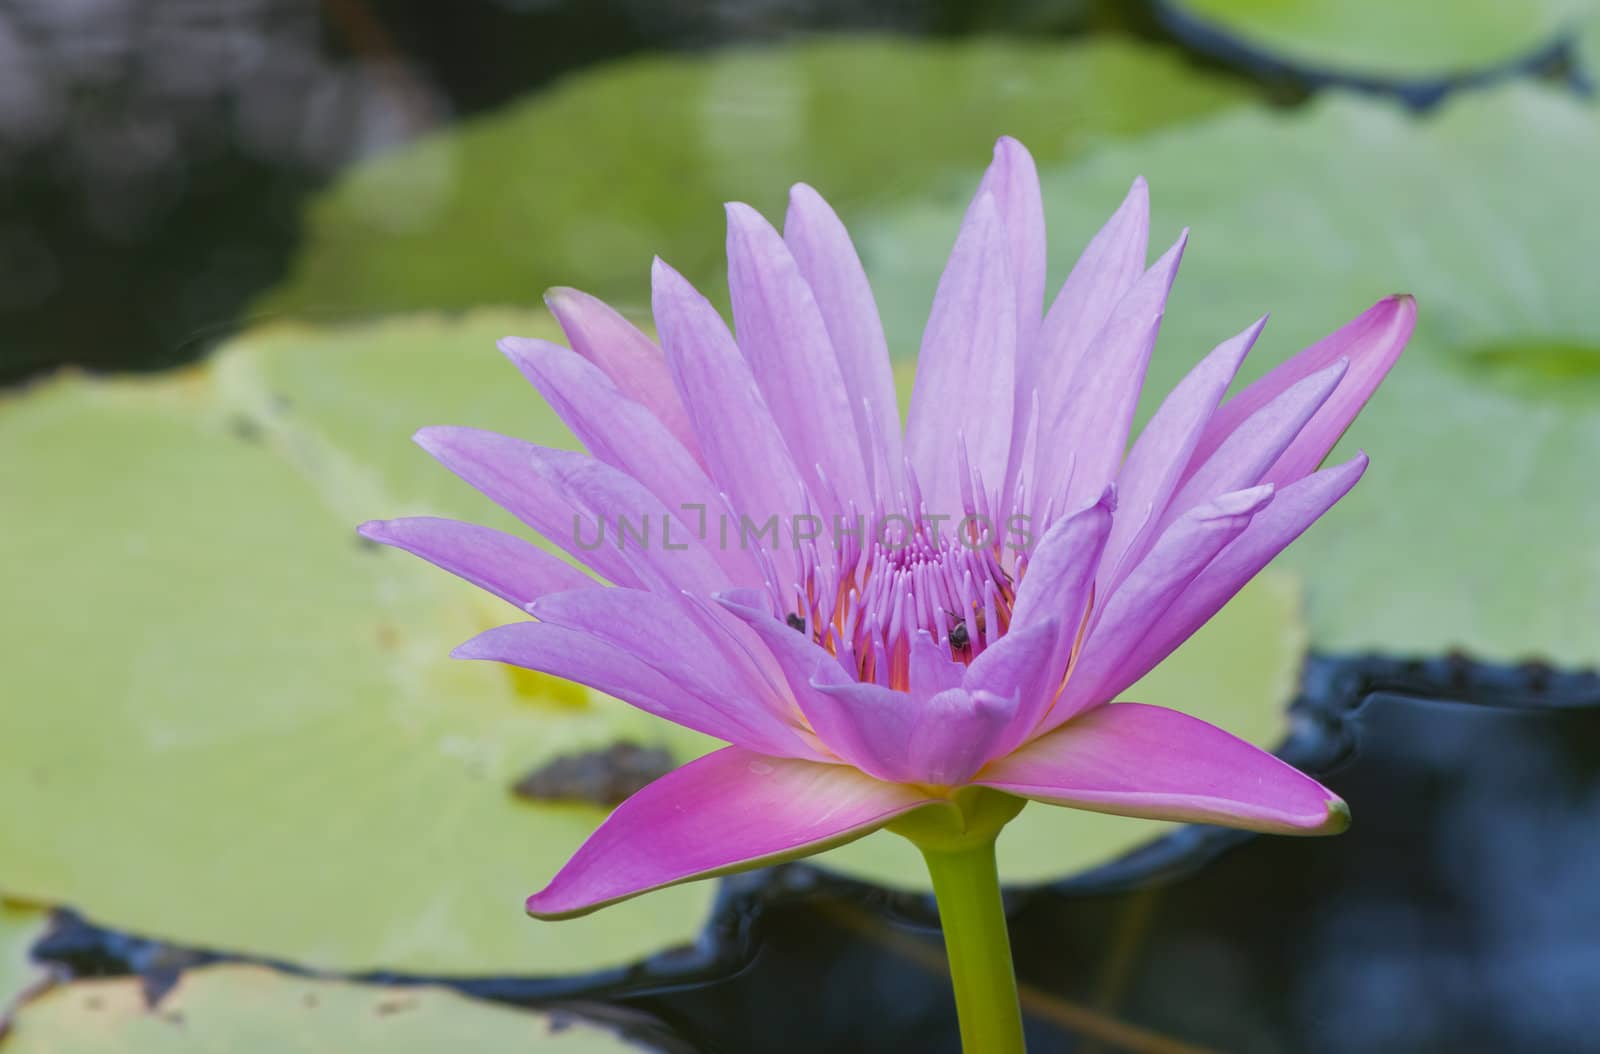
(1402, 39)
(249, 1010)
(581, 185)
(1473, 529)
(233, 726)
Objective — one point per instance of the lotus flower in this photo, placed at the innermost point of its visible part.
(880, 621)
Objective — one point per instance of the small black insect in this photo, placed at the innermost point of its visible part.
(958, 634)
(796, 622)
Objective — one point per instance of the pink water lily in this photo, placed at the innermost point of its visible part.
(874, 619)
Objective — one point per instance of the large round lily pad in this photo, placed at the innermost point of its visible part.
(230, 724)
(248, 1010)
(582, 184)
(1473, 529)
(1405, 39)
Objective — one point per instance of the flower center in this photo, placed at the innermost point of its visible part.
(868, 599)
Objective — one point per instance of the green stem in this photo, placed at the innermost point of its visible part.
(966, 884)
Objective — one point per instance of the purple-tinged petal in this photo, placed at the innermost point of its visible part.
(965, 372)
(738, 438)
(1123, 618)
(577, 656)
(1097, 412)
(632, 360)
(829, 263)
(1014, 182)
(1105, 272)
(728, 811)
(623, 434)
(783, 337)
(868, 725)
(1156, 463)
(659, 632)
(1060, 570)
(515, 570)
(1372, 342)
(575, 501)
(1130, 759)
(932, 669)
(1293, 509)
(1026, 664)
(955, 735)
(1255, 446)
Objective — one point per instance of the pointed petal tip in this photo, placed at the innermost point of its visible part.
(374, 530)
(1338, 818)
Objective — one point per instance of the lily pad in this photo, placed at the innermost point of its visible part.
(582, 184)
(234, 726)
(20, 927)
(250, 1010)
(1474, 528)
(1395, 39)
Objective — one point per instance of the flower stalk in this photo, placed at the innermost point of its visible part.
(966, 884)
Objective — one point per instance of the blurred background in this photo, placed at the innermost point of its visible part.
(248, 246)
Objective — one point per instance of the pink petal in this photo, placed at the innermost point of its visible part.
(669, 636)
(738, 438)
(956, 733)
(1255, 446)
(1372, 342)
(782, 335)
(1014, 182)
(728, 811)
(1149, 589)
(1094, 420)
(828, 262)
(623, 434)
(632, 360)
(1102, 276)
(580, 505)
(1157, 460)
(1293, 509)
(1130, 759)
(964, 388)
(574, 655)
(512, 569)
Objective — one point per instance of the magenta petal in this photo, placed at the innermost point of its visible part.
(623, 434)
(828, 262)
(1125, 617)
(581, 505)
(964, 388)
(632, 360)
(512, 569)
(1155, 465)
(956, 734)
(663, 633)
(782, 335)
(738, 437)
(1256, 445)
(1293, 509)
(728, 811)
(607, 667)
(1027, 664)
(1014, 182)
(1147, 761)
(1372, 342)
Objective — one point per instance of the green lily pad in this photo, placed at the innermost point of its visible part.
(1475, 526)
(582, 184)
(1404, 39)
(1238, 672)
(249, 1010)
(20, 927)
(237, 727)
